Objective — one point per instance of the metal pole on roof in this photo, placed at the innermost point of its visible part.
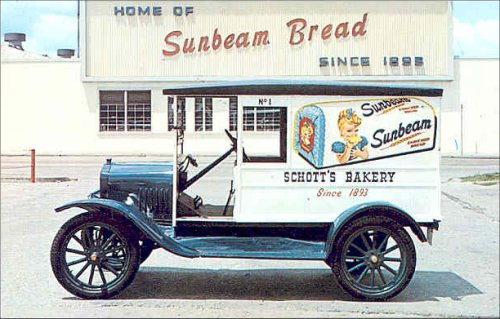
(78, 28)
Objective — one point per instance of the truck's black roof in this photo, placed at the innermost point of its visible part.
(272, 87)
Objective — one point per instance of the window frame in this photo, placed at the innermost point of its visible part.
(181, 113)
(125, 104)
(283, 129)
(146, 127)
(206, 113)
(206, 128)
(233, 114)
(120, 107)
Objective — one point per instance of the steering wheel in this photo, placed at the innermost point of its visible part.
(234, 141)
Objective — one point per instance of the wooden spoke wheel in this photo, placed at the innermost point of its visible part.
(93, 256)
(375, 258)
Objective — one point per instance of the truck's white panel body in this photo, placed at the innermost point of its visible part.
(313, 186)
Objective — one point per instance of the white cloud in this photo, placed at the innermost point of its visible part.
(480, 39)
(51, 32)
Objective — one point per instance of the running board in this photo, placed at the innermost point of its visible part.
(255, 247)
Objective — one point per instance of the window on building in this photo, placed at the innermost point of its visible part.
(120, 110)
(111, 111)
(208, 114)
(233, 113)
(138, 110)
(170, 113)
(203, 114)
(248, 118)
(261, 118)
(269, 145)
(181, 112)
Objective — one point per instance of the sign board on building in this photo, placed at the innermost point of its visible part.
(164, 39)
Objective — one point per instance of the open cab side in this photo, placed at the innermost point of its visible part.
(216, 230)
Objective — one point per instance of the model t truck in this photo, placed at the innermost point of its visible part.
(342, 174)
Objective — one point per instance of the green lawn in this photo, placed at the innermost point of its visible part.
(483, 179)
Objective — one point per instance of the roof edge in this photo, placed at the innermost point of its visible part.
(301, 88)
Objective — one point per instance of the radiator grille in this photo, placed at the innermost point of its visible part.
(155, 201)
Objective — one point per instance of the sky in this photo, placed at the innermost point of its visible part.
(52, 25)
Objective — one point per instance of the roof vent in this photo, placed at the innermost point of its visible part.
(15, 39)
(65, 53)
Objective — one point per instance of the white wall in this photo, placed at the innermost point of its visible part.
(45, 105)
(479, 96)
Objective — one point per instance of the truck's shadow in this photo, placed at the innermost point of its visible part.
(278, 284)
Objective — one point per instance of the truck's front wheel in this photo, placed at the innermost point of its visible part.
(94, 256)
(374, 258)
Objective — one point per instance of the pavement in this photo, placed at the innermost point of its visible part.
(458, 276)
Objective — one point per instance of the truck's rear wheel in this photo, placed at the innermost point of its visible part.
(379, 268)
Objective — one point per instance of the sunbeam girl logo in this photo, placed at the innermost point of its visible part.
(352, 145)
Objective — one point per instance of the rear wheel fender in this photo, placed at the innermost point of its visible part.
(376, 209)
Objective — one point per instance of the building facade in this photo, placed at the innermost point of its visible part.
(110, 100)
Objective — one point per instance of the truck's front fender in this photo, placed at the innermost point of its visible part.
(137, 218)
(378, 208)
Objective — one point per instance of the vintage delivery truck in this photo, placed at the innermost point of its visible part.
(338, 172)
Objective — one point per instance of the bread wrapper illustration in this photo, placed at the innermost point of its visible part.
(309, 132)
(327, 134)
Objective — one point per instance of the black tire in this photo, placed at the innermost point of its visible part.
(373, 258)
(108, 252)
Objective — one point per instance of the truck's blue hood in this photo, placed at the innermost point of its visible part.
(129, 177)
(148, 173)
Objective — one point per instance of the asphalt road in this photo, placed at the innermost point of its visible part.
(457, 276)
